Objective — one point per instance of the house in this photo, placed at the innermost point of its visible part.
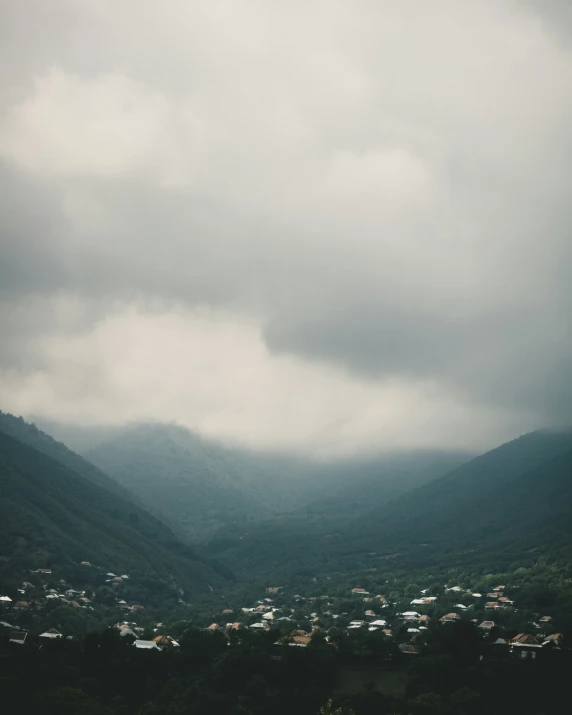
(5, 599)
(554, 641)
(410, 615)
(461, 606)
(387, 632)
(21, 605)
(487, 625)
(360, 591)
(137, 608)
(45, 571)
(381, 599)
(85, 563)
(450, 617)
(494, 594)
(491, 604)
(423, 619)
(408, 649)
(258, 626)
(165, 642)
(213, 627)
(227, 611)
(18, 637)
(504, 601)
(51, 633)
(454, 588)
(524, 645)
(413, 630)
(545, 619)
(370, 614)
(380, 623)
(146, 645)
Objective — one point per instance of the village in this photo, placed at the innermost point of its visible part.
(302, 618)
(296, 619)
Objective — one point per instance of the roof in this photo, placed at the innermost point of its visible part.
(487, 624)
(51, 633)
(409, 649)
(146, 645)
(524, 639)
(165, 641)
(18, 637)
(554, 640)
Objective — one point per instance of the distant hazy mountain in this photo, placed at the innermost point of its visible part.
(200, 485)
(196, 485)
(51, 514)
(512, 500)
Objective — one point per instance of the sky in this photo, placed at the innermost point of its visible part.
(325, 226)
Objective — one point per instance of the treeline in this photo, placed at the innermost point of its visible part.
(247, 673)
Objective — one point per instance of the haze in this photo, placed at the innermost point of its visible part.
(326, 227)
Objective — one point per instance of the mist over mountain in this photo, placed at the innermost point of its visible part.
(199, 484)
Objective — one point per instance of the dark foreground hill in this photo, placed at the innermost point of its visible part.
(52, 516)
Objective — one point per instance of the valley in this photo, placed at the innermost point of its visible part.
(470, 563)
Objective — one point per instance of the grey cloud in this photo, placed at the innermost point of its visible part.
(392, 203)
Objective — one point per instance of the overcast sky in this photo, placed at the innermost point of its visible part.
(330, 226)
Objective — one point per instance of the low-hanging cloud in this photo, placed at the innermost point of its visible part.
(375, 192)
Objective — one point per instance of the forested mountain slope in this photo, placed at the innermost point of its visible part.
(30, 434)
(515, 498)
(52, 516)
(492, 493)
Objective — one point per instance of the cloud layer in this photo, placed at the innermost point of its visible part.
(328, 227)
